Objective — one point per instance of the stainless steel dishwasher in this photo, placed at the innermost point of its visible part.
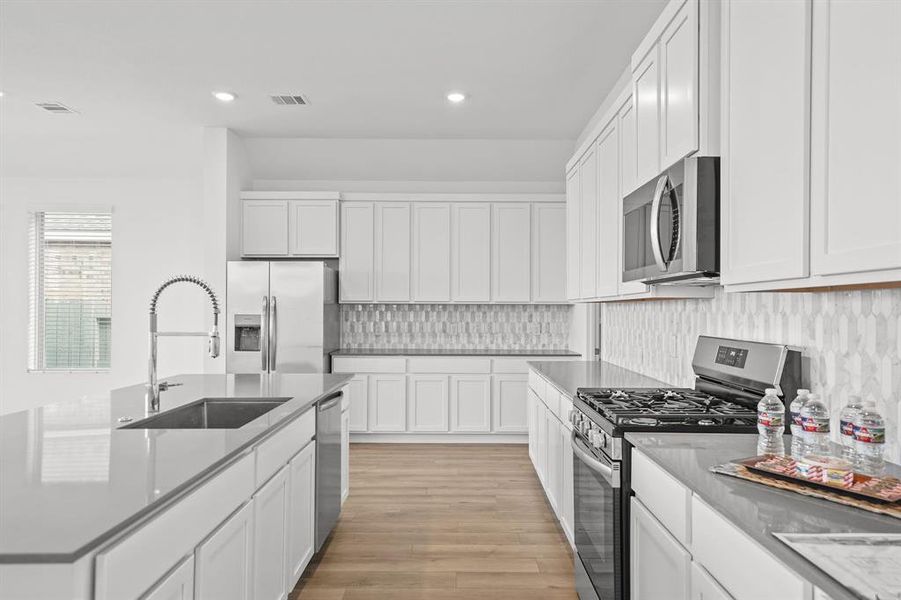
(328, 466)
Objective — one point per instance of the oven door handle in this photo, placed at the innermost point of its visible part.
(609, 472)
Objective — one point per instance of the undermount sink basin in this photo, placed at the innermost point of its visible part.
(210, 413)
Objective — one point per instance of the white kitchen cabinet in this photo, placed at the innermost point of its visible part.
(704, 586)
(659, 566)
(573, 233)
(626, 126)
(554, 474)
(431, 252)
(357, 264)
(301, 514)
(532, 409)
(548, 252)
(270, 536)
(427, 407)
(223, 562)
(567, 511)
(264, 230)
(470, 403)
(855, 197)
(588, 205)
(679, 64)
(470, 245)
(313, 228)
(541, 444)
(345, 454)
(510, 252)
(357, 391)
(387, 403)
(609, 207)
(646, 100)
(508, 403)
(766, 125)
(177, 585)
(392, 251)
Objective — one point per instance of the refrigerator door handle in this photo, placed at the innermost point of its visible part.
(264, 338)
(273, 333)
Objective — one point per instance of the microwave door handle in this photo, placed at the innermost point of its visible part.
(610, 475)
(273, 333)
(264, 338)
(656, 246)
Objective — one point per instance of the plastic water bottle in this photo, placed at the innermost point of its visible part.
(815, 423)
(795, 412)
(770, 423)
(869, 439)
(846, 425)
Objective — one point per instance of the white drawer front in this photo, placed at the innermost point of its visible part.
(346, 364)
(448, 365)
(275, 452)
(665, 497)
(510, 365)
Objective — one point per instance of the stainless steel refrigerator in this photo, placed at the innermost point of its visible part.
(282, 317)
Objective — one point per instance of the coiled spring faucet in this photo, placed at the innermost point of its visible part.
(154, 387)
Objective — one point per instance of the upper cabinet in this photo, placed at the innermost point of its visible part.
(431, 252)
(573, 232)
(608, 211)
(679, 85)
(392, 251)
(548, 252)
(301, 224)
(471, 243)
(511, 252)
(646, 102)
(588, 205)
(356, 280)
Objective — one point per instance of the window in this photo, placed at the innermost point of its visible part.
(70, 291)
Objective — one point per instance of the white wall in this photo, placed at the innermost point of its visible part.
(157, 225)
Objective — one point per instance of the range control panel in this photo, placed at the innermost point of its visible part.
(731, 357)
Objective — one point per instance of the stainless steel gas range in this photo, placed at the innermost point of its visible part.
(730, 377)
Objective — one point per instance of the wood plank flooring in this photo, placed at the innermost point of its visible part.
(442, 522)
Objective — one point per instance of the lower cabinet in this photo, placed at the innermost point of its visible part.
(345, 454)
(270, 515)
(659, 565)
(507, 407)
(387, 402)
(301, 513)
(704, 586)
(177, 585)
(223, 561)
(553, 479)
(542, 443)
(470, 403)
(567, 511)
(427, 404)
(357, 392)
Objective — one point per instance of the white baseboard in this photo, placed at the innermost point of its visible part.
(439, 438)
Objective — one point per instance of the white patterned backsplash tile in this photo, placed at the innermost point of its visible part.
(851, 340)
(456, 326)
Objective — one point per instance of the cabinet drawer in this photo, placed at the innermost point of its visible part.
(510, 365)
(275, 452)
(665, 497)
(449, 365)
(131, 566)
(711, 534)
(343, 364)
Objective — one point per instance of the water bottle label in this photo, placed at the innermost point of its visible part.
(847, 428)
(770, 419)
(870, 435)
(815, 424)
(796, 418)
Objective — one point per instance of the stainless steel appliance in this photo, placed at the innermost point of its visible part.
(282, 317)
(328, 466)
(730, 377)
(671, 226)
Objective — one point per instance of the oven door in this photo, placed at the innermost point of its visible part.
(597, 524)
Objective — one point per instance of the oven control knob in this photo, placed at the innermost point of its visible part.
(597, 439)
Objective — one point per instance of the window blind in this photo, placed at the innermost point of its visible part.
(70, 303)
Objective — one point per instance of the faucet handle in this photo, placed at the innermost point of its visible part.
(165, 385)
(214, 343)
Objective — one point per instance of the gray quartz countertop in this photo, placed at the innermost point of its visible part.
(450, 352)
(70, 479)
(569, 375)
(757, 510)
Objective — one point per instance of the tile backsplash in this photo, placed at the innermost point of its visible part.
(455, 326)
(851, 340)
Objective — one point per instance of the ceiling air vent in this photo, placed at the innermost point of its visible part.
(57, 108)
(290, 100)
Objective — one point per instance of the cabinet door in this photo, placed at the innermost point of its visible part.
(224, 561)
(541, 444)
(679, 63)
(609, 272)
(177, 585)
(510, 252)
(588, 197)
(508, 401)
(573, 234)
(270, 528)
(470, 247)
(387, 403)
(431, 252)
(704, 586)
(627, 168)
(855, 133)
(357, 391)
(313, 228)
(357, 266)
(392, 252)
(567, 511)
(470, 403)
(345, 455)
(531, 399)
(301, 511)
(427, 403)
(548, 252)
(264, 228)
(646, 97)
(659, 564)
(765, 166)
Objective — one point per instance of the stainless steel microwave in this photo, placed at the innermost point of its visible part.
(671, 226)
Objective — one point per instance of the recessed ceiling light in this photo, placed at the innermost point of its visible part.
(224, 96)
(456, 97)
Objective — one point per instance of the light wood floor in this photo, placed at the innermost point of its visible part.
(442, 522)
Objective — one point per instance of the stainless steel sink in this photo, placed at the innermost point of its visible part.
(210, 413)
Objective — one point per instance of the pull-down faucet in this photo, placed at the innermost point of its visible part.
(154, 387)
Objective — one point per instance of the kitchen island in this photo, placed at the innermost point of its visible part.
(76, 487)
